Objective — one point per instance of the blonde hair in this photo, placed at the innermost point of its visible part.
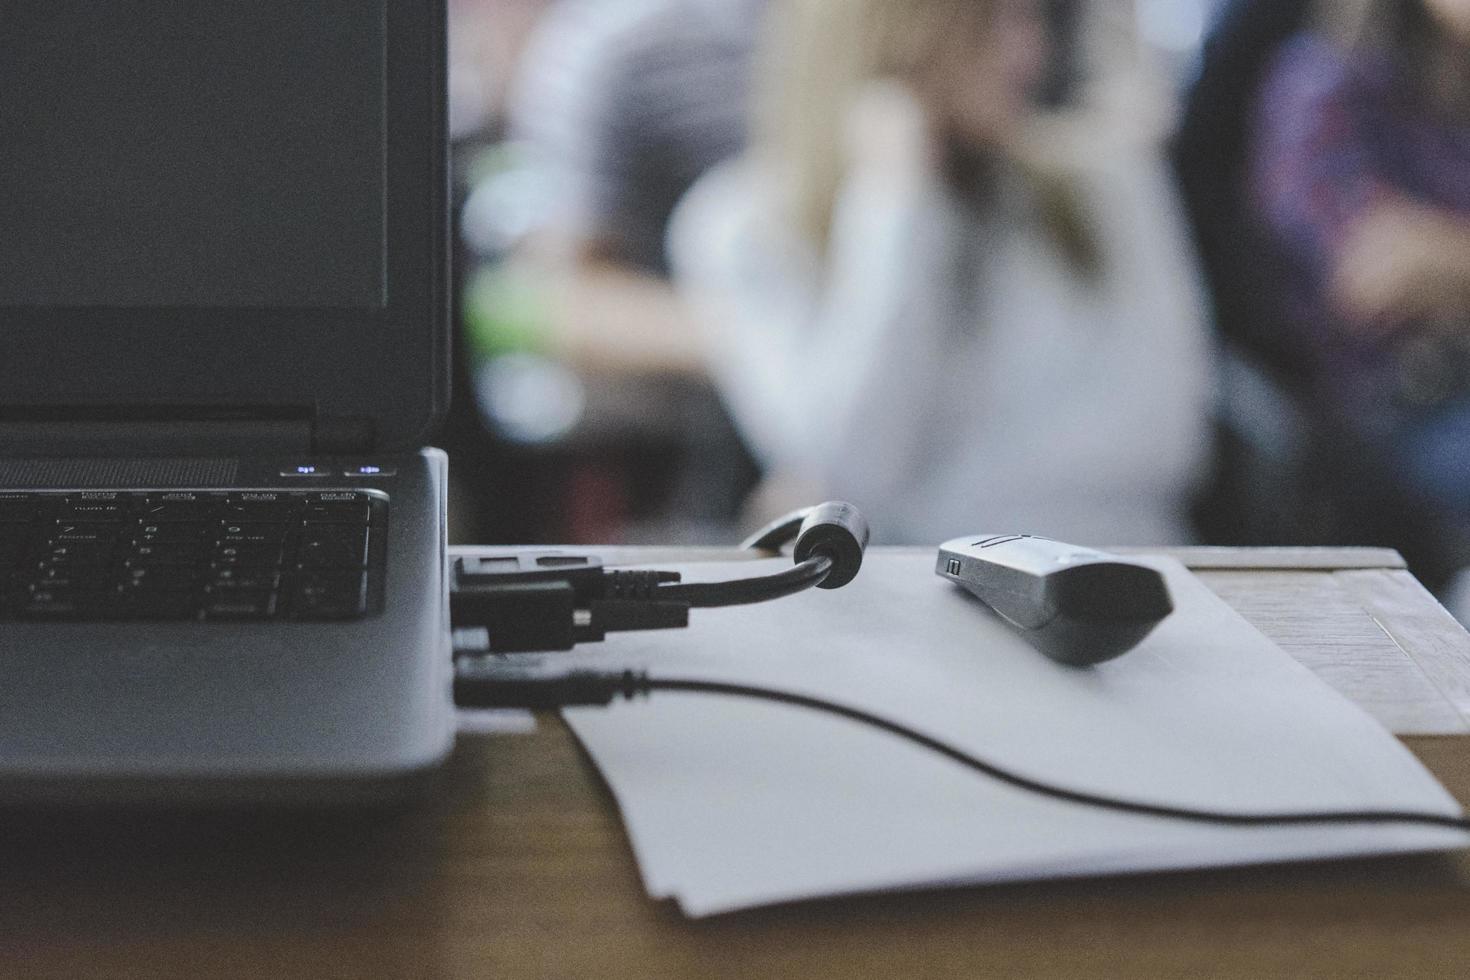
(817, 57)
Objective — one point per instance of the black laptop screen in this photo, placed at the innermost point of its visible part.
(193, 153)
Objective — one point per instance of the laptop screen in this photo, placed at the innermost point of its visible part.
(193, 153)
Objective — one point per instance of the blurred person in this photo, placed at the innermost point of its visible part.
(620, 106)
(624, 104)
(1361, 176)
(917, 298)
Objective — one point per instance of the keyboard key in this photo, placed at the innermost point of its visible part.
(336, 508)
(166, 554)
(241, 605)
(75, 578)
(330, 597)
(246, 556)
(169, 508)
(14, 550)
(175, 533)
(245, 580)
(77, 552)
(163, 578)
(68, 533)
(68, 604)
(262, 508)
(333, 546)
(19, 508)
(96, 508)
(251, 534)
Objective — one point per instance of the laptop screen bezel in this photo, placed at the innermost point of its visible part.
(388, 367)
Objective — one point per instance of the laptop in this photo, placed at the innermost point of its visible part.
(223, 348)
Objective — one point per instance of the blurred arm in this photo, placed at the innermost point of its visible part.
(608, 316)
(596, 254)
(1404, 261)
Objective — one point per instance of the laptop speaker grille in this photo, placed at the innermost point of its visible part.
(118, 473)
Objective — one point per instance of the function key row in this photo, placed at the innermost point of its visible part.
(258, 507)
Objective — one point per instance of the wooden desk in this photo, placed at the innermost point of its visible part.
(519, 868)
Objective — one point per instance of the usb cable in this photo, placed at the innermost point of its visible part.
(523, 600)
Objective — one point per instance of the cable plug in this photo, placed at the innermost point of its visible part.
(530, 600)
(540, 687)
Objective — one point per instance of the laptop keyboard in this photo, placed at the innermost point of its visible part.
(267, 555)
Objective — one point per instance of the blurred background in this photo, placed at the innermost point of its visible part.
(1115, 271)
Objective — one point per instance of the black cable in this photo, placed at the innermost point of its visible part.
(1045, 789)
(778, 532)
(740, 592)
(524, 600)
(497, 688)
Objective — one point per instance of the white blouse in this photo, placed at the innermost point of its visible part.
(951, 373)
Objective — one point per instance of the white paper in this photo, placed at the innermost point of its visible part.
(732, 803)
(494, 721)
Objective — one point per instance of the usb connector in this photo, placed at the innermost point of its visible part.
(525, 600)
(537, 600)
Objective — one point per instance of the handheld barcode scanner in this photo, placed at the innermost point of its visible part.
(1076, 605)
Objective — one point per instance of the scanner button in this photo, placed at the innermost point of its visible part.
(305, 471)
(369, 471)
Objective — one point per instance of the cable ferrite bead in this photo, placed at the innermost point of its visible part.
(839, 531)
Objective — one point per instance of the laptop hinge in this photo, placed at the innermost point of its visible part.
(55, 437)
